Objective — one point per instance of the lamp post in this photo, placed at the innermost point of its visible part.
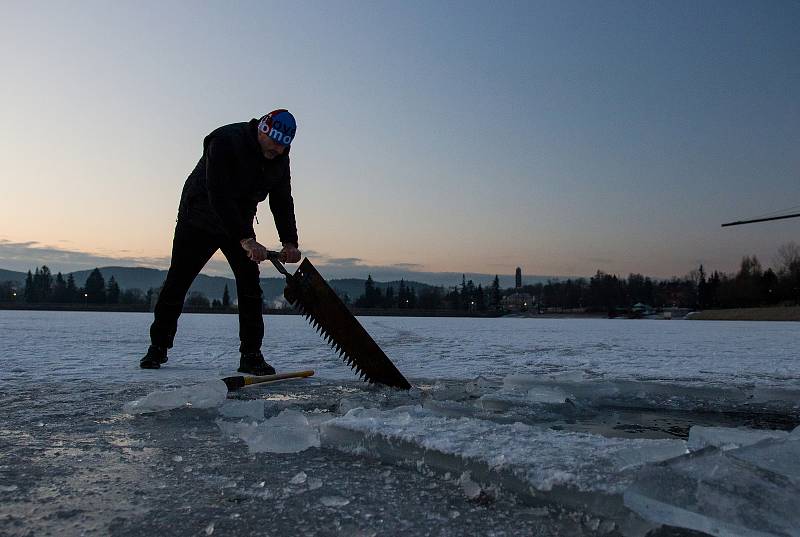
(85, 300)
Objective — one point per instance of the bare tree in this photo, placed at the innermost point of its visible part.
(788, 258)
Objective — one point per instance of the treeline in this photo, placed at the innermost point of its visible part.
(466, 297)
(750, 286)
(41, 287)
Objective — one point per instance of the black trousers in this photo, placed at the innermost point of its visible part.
(191, 250)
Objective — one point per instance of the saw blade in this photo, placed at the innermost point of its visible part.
(308, 291)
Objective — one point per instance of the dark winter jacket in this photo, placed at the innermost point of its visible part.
(221, 194)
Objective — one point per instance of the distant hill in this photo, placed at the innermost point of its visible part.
(211, 286)
(145, 278)
(12, 276)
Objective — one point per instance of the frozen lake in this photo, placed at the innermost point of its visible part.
(78, 346)
(514, 427)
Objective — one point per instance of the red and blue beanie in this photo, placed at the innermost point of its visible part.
(279, 125)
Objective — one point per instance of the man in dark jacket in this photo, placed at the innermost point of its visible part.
(242, 164)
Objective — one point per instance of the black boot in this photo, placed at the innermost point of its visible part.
(154, 358)
(253, 363)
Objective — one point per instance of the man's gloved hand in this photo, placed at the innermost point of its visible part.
(290, 253)
(255, 251)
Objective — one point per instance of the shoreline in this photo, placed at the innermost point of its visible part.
(774, 313)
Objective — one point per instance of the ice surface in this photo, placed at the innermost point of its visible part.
(206, 395)
(288, 432)
(521, 389)
(726, 438)
(680, 352)
(476, 377)
(253, 409)
(750, 491)
(575, 469)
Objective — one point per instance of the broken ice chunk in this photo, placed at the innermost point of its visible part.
(334, 501)
(288, 432)
(547, 394)
(726, 438)
(206, 395)
(753, 490)
(314, 483)
(471, 489)
(577, 470)
(299, 479)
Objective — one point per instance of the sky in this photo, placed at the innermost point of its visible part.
(561, 137)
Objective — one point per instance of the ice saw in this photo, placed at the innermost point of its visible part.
(308, 291)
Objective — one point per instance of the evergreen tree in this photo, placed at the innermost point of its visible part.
(480, 302)
(402, 295)
(388, 301)
(494, 293)
(95, 287)
(702, 289)
(372, 296)
(43, 283)
(411, 298)
(60, 289)
(430, 298)
(369, 292)
(226, 298)
(72, 289)
(198, 300)
(112, 291)
(469, 295)
(132, 296)
(30, 292)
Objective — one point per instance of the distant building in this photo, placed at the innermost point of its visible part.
(518, 302)
(519, 278)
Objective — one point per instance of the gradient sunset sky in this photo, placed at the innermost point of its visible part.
(563, 137)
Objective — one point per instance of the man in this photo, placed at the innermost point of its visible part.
(242, 164)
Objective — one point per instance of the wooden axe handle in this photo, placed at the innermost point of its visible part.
(234, 383)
